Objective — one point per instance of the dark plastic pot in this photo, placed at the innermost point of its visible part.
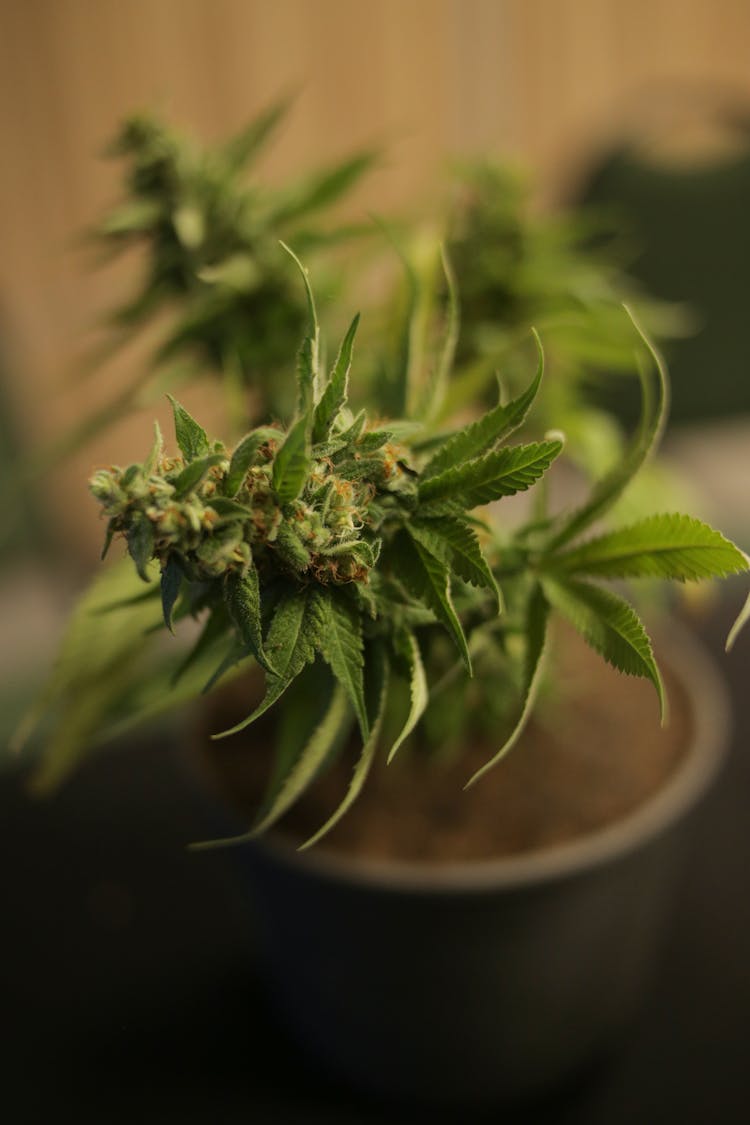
(490, 980)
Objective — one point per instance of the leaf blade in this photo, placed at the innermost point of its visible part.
(481, 436)
(429, 579)
(609, 625)
(334, 396)
(291, 464)
(408, 649)
(191, 437)
(536, 636)
(369, 748)
(664, 546)
(502, 472)
(343, 651)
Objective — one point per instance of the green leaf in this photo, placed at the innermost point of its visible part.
(434, 393)
(320, 745)
(610, 625)
(242, 597)
(456, 544)
(98, 663)
(291, 464)
(662, 546)
(244, 456)
(742, 620)
(536, 639)
(308, 358)
(152, 461)
(377, 666)
(653, 414)
(429, 579)
(407, 649)
(342, 650)
(227, 509)
(334, 397)
(502, 472)
(216, 625)
(140, 539)
(192, 475)
(323, 188)
(294, 636)
(191, 437)
(171, 583)
(352, 433)
(237, 151)
(481, 436)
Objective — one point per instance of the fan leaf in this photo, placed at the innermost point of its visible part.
(610, 626)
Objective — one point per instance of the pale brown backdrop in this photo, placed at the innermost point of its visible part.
(546, 80)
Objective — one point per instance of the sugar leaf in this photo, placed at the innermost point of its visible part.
(335, 394)
(292, 462)
(191, 437)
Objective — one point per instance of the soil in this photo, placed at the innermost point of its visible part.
(593, 754)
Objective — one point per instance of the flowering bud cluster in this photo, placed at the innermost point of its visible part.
(329, 532)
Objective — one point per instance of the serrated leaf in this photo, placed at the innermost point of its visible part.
(171, 583)
(294, 637)
(308, 358)
(334, 396)
(407, 649)
(244, 456)
(502, 472)
(242, 597)
(481, 436)
(653, 415)
(191, 437)
(456, 544)
(377, 667)
(429, 579)
(192, 475)
(291, 464)
(319, 746)
(661, 546)
(537, 616)
(609, 625)
(342, 650)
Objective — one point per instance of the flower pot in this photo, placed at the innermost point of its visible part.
(488, 980)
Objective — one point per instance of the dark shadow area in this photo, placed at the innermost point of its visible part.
(131, 992)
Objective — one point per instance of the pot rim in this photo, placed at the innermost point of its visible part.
(711, 723)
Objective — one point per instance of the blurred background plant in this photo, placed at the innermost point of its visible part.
(212, 268)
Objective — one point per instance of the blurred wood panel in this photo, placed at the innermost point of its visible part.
(544, 80)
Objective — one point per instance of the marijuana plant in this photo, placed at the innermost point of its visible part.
(561, 273)
(337, 553)
(212, 275)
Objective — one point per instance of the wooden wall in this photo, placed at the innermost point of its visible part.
(546, 80)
